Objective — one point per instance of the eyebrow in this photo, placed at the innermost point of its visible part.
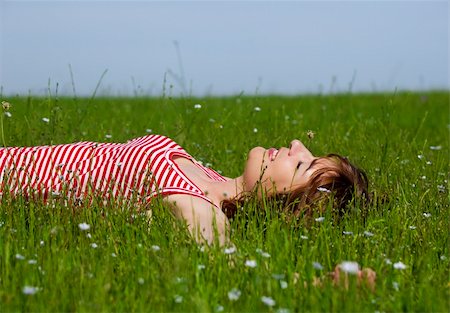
(312, 164)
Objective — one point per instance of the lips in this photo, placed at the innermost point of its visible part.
(272, 154)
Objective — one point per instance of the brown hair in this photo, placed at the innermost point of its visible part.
(341, 183)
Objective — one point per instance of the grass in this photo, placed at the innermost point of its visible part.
(123, 264)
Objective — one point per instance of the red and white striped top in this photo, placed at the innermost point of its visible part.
(137, 170)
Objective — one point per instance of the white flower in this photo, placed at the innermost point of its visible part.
(412, 227)
(251, 263)
(32, 261)
(399, 266)
(94, 245)
(141, 281)
(421, 156)
(317, 266)
(278, 276)
(229, 250)
(255, 130)
(41, 243)
(388, 261)
(156, 248)
(234, 294)
(8, 114)
(29, 290)
(443, 257)
(113, 255)
(320, 219)
(45, 119)
(368, 233)
(349, 267)
(108, 136)
(197, 106)
(283, 284)
(395, 285)
(348, 233)
(435, 147)
(20, 257)
(178, 299)
(148, 130)
(304, 237)
(88, 235)
(268, 301)
(219, 308)
(427, 215)
(323, 189)
(257, 109)
(84, 226)
(263, 253)
(201, 267)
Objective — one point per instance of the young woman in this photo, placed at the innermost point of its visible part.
(151, 166)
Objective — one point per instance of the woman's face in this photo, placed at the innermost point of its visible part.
(279, 170)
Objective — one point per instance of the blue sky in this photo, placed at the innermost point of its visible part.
(225, 47)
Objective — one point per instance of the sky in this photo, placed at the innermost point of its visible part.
(204, 48)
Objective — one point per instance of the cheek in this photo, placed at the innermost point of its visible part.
(281, 177)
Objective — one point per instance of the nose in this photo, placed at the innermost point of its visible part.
(297, 147)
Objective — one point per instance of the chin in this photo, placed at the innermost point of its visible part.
(257, 153)
(253, 167)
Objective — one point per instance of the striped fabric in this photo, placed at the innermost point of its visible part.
(136, 171)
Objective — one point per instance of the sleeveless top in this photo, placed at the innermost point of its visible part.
(136, 171)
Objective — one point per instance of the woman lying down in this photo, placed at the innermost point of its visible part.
(155, 166)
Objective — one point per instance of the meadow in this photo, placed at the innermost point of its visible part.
(57, 258)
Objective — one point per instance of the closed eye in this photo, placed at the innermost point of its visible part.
(298, 165)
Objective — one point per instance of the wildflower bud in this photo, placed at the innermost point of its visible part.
(6, 105)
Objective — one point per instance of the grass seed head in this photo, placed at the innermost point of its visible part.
(6, 105)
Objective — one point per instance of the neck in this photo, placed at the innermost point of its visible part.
(227, 190)
(217, 191)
